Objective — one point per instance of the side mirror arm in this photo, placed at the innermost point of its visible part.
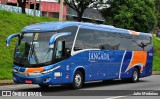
(10, 37)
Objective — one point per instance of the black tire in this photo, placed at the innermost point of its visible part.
(135, 76)
(77, 80)
(43, 86)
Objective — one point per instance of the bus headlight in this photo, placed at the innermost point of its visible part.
(33, 74)
(50, 70)
(14, 70)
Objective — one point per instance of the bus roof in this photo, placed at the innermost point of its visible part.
(54, 26)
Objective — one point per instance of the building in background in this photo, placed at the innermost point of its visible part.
(48, 8)
(51, 8)
(89, 15)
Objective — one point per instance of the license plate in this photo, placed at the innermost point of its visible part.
(28, 81)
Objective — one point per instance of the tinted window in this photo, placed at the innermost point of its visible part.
(105, 40)
(141, 43)
(95, 39)
(69, 39)
(84, 39)
(125, 41)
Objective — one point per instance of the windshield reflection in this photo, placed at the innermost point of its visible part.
(34, 49)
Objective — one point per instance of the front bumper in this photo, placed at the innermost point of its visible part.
(47, 79)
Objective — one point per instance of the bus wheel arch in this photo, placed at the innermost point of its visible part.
(80, 75)
(136, 74)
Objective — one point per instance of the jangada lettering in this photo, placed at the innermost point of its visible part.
(98, 56)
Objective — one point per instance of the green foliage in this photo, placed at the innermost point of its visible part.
(81, 5)
(11, 23)
(156, 58)
(139, 15)
(78, 6)
(157, 5)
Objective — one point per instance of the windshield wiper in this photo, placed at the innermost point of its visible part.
(33, 53)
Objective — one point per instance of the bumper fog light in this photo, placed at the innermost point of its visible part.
(46, 80)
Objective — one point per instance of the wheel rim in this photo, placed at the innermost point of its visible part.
(78, 80)
(135, 75)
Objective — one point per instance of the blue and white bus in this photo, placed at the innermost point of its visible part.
(54, 53)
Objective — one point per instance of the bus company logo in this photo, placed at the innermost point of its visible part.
(95, 55)
(6, 93)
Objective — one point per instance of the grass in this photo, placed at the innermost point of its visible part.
(156, 58)
(12, 23)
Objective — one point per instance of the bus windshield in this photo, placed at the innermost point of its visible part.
(33, 49)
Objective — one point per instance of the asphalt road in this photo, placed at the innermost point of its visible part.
(118, 89)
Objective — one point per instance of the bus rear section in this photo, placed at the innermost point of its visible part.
(73, 53)
(114, 54)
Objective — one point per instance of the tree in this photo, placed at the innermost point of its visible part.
(80, 5)
(139, 15)
(22, 4)
(157, 5)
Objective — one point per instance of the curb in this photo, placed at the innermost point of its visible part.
(6, 82)
(155, 72)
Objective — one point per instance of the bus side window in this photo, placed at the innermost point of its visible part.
(59, 50)
(142, 43)
(69, 39)
(109, 47)
(149, 43)
(84, 40)
(105, 40)
(125, 42)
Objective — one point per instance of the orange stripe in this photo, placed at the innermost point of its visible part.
(134, 33)
(138, 57)
(29, 70)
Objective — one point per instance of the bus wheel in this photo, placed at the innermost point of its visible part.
(43, 86)
(135, 76)
(78, 80)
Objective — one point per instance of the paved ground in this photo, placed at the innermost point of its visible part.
(100, 90)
